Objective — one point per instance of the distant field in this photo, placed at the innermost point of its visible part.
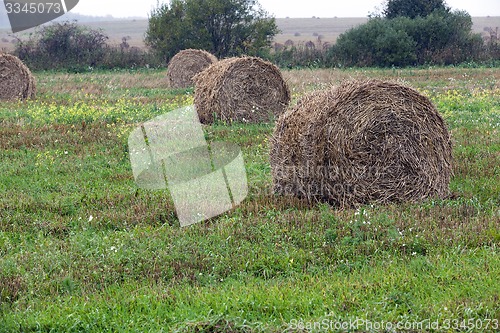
(309, 29)
(295, 29)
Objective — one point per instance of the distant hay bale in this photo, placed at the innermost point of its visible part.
(246, 89)
(16, 80)
(363, 142)
(186, 64)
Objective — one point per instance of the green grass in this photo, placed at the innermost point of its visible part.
(82, 249)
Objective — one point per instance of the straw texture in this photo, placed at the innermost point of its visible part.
(186, 64)
(363, 142)
(16, 80)
(242, 89)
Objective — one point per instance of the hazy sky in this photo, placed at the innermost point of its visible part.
(282, 8)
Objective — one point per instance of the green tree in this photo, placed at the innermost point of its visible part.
(223, 27)
(413, 8)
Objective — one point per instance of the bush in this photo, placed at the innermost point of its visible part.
(376, 43)
(444, 39)
(300, 56)
(63, 45)
(440, 38)
(131, 58)
(75, 47)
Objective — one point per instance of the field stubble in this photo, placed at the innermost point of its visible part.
(81, 248)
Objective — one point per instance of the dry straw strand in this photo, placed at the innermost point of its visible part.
(186, 64)
(363, 142)
(16, 80)
(240, 89)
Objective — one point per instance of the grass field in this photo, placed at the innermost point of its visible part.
(298, 30)
(82, 249)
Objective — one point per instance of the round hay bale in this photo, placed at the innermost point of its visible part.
(363, 142)
(246, 89)
(186, 64)
(16, 80)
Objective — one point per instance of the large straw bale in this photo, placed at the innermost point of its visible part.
(186, 64)
(241, 89)
(16, 80)
(363, 142)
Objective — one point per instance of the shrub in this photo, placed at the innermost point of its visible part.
(75, 47)
(443, 38)
(377, 43)
(63, 45)
(439, 38)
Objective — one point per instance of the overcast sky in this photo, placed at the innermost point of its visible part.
(282, 8)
